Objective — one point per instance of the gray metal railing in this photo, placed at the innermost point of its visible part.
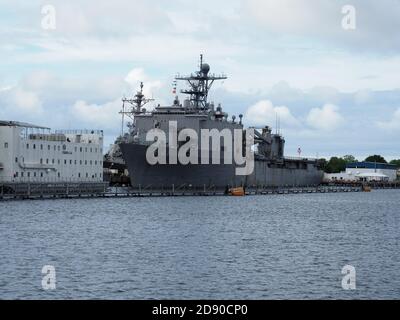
(84, 131)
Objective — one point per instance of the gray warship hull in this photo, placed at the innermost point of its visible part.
(267, 173)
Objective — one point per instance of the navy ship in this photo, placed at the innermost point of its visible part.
(270, 168)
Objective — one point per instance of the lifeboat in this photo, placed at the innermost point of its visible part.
(237, 192)
(366, 188)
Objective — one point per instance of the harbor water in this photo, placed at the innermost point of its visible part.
(258, 247)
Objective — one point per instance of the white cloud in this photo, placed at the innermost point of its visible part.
(322, 20)
(106, 115)
(296, 16)
(97, 116)
(393, 124)
(38, 80)
(258, 43)
(265, 113)
(6, 88)
(138, 75)
(27, 101)
(326, 118)
(110, 18)
(18, 101)
(362, 96)
(118, 32)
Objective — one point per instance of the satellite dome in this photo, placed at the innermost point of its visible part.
(205, 68)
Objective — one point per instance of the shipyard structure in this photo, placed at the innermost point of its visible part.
(34, 154)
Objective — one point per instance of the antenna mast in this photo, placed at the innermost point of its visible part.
(123, 118)
(137, 103)
(200, 84)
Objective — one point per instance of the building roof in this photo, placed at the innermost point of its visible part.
(371, 175)
(371, 165)
(4, 123)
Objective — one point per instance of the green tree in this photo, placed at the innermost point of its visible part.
(349, 159)
(395, 162)
(323, 163)
(335, 165)
(376, 158)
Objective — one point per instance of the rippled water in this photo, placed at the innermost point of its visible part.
(264, 247)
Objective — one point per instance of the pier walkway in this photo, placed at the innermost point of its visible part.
(102, 190)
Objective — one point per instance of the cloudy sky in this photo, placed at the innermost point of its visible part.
(336, 90)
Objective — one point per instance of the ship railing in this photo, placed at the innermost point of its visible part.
(182, 186)
(184, 189)
(40, 180)
(80, 132)
(301, 158)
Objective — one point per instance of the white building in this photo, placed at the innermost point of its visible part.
(365, 171)
(30, 153)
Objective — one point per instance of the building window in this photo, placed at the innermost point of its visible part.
(80, 149)
(58, 174)
(41, 174)
(34, 174)
(47, 161)
(6, 145)
(59, 162)
(27, 145)
(34, 146)
(41, 147)
(22, 174)
(70, 161)
(16, 174)
(85, 162)
(29, 174)
(55, 148)
(58, 148)
(52, 161)
(16, 160)
(80, 162)
(91, 162)
(75, 162)
(79, 175)
(41, 161)
(87, 175)
(65, 161)
(48, 147)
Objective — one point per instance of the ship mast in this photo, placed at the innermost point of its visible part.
(137, 103)
(200, 84)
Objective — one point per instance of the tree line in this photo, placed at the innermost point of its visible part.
(338, 164)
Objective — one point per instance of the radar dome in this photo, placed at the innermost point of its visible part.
(205, 68)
